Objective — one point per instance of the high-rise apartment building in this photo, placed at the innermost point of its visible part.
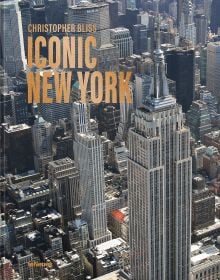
(159, 185)
(12, 56)
(89, 155)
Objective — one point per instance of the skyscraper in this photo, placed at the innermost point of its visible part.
(198, 119)
(91, 13)
(96, 14)
(159, 185)
(201, 28)
(11, 38)
(19, 107)
(121, 37)
(18, 139)
(42, 143)
(64, 187)
(187, 26)
(89, 155)
(140, 38)
(80, 118)
(181, 69)
(25, 10)
(215, 19)
(213, 69)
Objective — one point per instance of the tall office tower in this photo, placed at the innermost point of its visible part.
(113, 13)
(38, 17)
(18, 141)
(80, 118)
(207, 9)
(54, 111)
(92, 13)
(42, 143)
(173, 9)
(179, 12)
(213, 69)
(187, 27)
(25, 9)
(11, 38)
(181, 69)
(198, 119)
(54, 11)
(89, 155)
(159, 185)
(140, 38)
(215, 19)
(19, 107)
(6, 270)
(96, 14)
(121, 38)
(201, 29)
(64, 187)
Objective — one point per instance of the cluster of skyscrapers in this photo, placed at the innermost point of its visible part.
(113, 191)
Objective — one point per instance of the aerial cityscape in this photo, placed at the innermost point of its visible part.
(106, 189)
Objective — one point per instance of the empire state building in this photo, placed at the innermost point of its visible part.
(159, 184)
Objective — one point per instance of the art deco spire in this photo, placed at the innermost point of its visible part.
(160, 88)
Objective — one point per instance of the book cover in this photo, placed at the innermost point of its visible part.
(109, 140)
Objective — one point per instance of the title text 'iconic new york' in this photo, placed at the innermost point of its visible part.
(72, 53)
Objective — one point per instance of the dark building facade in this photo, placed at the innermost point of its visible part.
(55, 7)
(140, 34)
(215, 18)
(181, 69)
(19, 150)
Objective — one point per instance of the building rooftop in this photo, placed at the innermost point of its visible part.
(15, 128)
(111, 276)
